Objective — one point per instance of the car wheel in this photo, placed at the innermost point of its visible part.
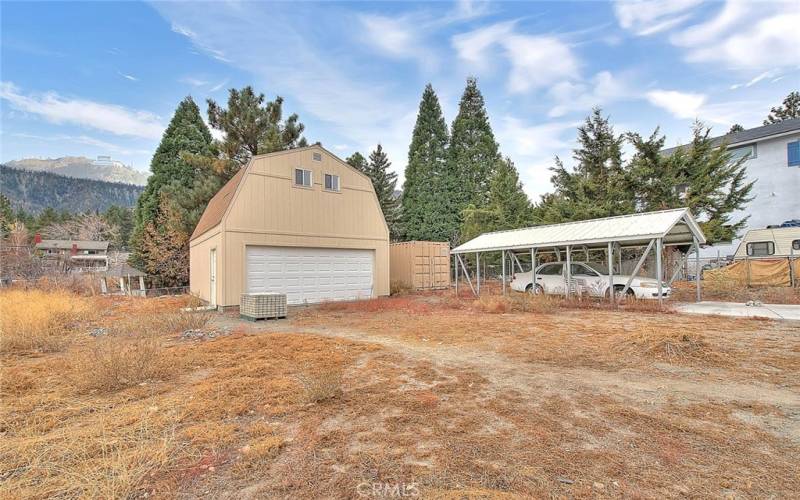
(537, 290)
(618, 292)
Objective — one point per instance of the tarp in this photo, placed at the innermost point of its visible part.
(761, 272)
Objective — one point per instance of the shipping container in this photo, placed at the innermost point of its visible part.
(419, 265)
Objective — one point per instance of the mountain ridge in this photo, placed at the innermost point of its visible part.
(34, 191)
(80, 167)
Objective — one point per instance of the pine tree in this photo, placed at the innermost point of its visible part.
(701, 176)
(357, 161)
(425, 192)
(252, 125)
(186, 133)
(508, 206)
(473, 153)
(384, 181)
(735, 128)
(789, 109)
(597, 186)
(6, 216)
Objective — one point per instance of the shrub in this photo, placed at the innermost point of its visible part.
(399, 288)
(38, 320)
(130, 354)
(321, 386)
(179, 321)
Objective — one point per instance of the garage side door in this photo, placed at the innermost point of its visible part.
(308, 275)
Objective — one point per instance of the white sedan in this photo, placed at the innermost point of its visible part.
(550, 280)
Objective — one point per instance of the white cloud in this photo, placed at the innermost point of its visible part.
(647, 17)
(536, 60)
(762, 76)
(191, 35)
(771, 41)
(398, 38)
(194, 82)
(679, 104)
(219, 85)
(740, 35)
(84, 139)
(127, 77)
(475, 47)
(603, 88)
(107, 117)
(533, 148)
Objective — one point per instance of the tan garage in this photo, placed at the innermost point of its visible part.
(300, 222)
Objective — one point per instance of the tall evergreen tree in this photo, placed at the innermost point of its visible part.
(735, 128)
(252, 125)
(186, 133)
(425, 192)
(597, 185)
(789, 109)
(508, 206)
(473, 152)
(385, 181)
(701, 175)
(357, 161)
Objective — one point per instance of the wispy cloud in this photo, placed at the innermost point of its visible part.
(771, 74)
(398, 38)
(127, 77)
(741, 35)
(219, 85)
(536, 60)
(600, 90)
(112, 118)
(194, 82)
(83, 139)
(680, 104)
(191, 35)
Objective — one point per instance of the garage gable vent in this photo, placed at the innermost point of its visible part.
(317, 156)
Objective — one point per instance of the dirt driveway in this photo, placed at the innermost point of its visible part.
(573, 402)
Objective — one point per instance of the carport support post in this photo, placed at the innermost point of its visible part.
(504, 272)
(455, 265)
(610, 273)
(567, 271)
(533, 271)
(478, 272)
(697, 268)
(659, 271)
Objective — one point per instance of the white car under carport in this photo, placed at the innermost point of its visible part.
(586, 280)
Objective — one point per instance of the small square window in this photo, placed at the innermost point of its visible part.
(302, 177)
(317, 156)
(793, 153)
(331, 182)
(796, 245)
(760, 248)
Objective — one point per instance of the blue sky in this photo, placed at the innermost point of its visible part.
(104, 78)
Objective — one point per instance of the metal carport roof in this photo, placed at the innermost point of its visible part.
(675, 227)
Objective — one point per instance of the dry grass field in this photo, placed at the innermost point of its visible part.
(423, 395)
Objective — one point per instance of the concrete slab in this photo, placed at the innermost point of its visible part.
(738, 309)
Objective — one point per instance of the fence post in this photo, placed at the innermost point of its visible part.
(747, 262)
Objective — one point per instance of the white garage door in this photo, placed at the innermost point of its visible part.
(310, 274)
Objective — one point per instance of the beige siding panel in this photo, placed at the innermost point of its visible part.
(421, 265)
(200, 263)
(269, 210)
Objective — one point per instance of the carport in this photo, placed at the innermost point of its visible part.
(610, 235)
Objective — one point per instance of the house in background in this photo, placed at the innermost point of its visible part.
(72, 255)
(773, 161)
(300, 222)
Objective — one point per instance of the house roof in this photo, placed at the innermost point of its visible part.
(676, 226)
(123, 270)
(218, 205)
(753, 134)
(67, 244)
